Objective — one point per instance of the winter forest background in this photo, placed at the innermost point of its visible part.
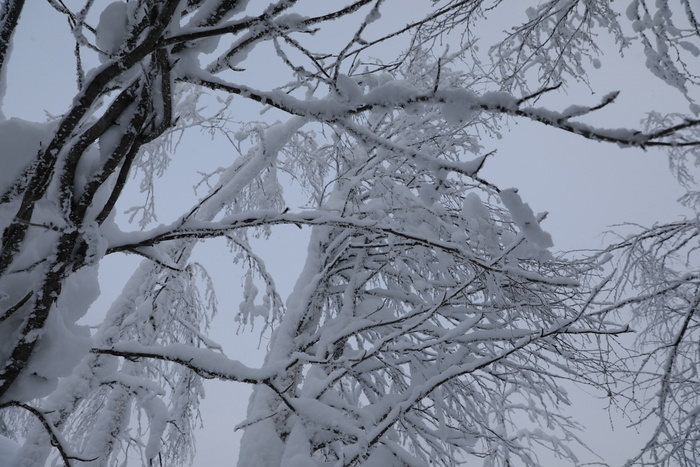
(330, 217)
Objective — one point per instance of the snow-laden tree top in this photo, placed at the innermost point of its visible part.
(431, 323)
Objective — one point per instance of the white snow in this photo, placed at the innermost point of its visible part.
(524, 218)
(61, 346)
(20, 143)
(348, 89)
(459, 107)
(391, 93)
(158, 417)
(111, 29)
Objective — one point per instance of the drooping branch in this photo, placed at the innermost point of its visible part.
(56, 439)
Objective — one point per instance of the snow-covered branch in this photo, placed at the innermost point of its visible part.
(204, 362)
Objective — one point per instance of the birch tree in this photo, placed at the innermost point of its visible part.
(656, 285)
(431, 322)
